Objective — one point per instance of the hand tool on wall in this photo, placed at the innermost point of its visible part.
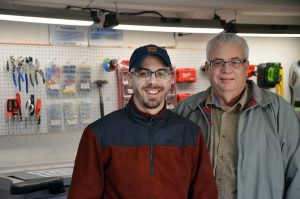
(9, 113)
(17, 71)
(27, 67)
(10, 63)
(38, 110)
(19, 103)
(31, 68)
(99, 84)
(38, 71)
(32, 102)
(34, 70)
(20, 68)
(15, 109)
(7, 65)
(29, 109)
(12, 110)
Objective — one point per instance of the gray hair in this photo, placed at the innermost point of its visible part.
(226, 38)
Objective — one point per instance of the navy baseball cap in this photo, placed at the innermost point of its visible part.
(141, 53)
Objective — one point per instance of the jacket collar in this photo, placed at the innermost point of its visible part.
(259, 97)
(142, 117)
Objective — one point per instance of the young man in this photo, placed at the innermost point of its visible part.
(252, 135)
(144, 151)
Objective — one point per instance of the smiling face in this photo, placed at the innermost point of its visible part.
(149, 95)
(228, 80)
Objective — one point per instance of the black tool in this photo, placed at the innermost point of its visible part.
(99, 84)
(32, 102)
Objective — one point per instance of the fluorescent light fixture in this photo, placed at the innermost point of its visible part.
(167, 29)
(267, 30)
(158, 24)
(44, 20)
(11, 12)
(267, 35)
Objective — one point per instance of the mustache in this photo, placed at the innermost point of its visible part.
(153, 87)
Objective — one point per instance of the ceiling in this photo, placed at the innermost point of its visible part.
(243, 11)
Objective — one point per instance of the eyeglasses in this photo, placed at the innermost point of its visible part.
(219, 63)
(145, 74)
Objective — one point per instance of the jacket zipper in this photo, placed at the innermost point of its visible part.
(151, 149)
(208, 126)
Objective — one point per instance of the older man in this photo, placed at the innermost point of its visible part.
(252, 135)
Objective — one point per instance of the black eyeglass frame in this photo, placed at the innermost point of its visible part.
(232, 63)
(150, 73)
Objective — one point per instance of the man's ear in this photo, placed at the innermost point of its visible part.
(173, 75)
(173, 78)
(246, 66)
(206, 66)
(129, 79)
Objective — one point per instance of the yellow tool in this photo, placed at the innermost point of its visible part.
(279, 86)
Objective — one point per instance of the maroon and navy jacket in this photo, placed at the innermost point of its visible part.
(131, 155)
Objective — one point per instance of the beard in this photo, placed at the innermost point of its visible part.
(150, 102)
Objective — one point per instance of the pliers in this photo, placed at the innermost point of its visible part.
(23, 64)
(36, 70)
(16, 69)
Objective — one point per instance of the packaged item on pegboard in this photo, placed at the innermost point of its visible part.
(86, 112)
(68, 78)
(53, 75)
(54, 118)
(71, 114)
(84, 78)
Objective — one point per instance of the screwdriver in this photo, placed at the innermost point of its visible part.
(15, 108)
(9, 113)
(37, 110)
(19, 103)
(37, 113)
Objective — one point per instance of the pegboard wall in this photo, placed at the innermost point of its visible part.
(93, 56)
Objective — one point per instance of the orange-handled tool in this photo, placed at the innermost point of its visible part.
(10, 108)
(37, 110)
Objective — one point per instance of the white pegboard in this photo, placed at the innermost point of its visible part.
(190, 58)
(93, 56)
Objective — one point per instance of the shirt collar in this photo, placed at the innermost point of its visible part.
(213, 100)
